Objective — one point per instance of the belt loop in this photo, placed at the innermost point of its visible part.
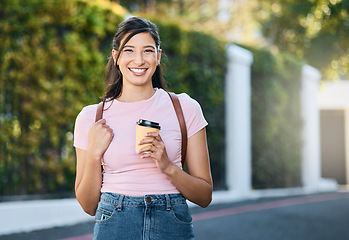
(168, 202)
(121, 198)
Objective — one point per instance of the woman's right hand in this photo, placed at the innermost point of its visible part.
(100, 137)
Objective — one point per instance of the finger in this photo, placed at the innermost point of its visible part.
(102, 121)
(146, 149)
(152, 134)
(109, 131)
(106, 127)
(146, 155)
(157, 136)
(155, 146)
(151, 152)
(155, 150)
(155, 155)
(147, 140)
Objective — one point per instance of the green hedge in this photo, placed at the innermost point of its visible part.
(52, 58)
(195, 64)
(53, 55)
(51, 66)
(276, 120)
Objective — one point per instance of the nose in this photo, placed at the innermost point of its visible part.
(138, 58)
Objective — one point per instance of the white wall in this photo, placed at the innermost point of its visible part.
(311, 158)
(335, 95)
(238, 119)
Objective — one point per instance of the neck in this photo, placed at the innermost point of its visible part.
(136, 94)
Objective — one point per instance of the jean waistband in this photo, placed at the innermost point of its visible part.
(146, 200)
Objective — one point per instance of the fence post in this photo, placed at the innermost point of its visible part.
(238, 120)
(311, 160)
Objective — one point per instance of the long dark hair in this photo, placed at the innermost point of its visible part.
(113, 75)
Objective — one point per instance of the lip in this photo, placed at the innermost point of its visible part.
(138, 71)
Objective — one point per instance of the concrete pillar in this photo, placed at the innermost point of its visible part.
(238, 120)
(311, 159)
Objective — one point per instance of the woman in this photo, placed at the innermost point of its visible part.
(140, 195)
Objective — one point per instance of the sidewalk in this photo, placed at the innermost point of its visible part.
(27, 216)
(310, 217)
(306, 217)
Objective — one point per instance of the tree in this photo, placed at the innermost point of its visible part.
(313, 30)
(225, 19)
(51, 66)
(52, 59)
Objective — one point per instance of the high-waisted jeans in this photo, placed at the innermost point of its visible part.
(150, 217)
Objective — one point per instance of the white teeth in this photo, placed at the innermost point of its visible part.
(138, 70)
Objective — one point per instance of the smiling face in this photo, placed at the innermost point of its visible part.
(138, 60)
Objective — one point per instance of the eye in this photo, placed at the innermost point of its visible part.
(149, 50)
(128, 50)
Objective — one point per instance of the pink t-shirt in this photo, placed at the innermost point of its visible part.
(125, 172)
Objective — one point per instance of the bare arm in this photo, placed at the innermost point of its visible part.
(197, 185)
(88, 169)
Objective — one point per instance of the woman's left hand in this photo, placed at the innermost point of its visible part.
(196, 185)
(155, 150)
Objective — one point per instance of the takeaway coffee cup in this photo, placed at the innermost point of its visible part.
(143, 127)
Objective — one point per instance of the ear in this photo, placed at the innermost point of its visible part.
(159, 57)
(114, 53)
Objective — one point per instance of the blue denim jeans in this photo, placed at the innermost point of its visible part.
(150, 217)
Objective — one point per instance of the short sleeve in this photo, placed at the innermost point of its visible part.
(193, 115)
(83, 123)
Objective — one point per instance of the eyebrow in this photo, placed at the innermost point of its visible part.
(148, 46)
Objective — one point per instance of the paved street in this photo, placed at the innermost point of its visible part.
(321, 216)
(314, 217)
